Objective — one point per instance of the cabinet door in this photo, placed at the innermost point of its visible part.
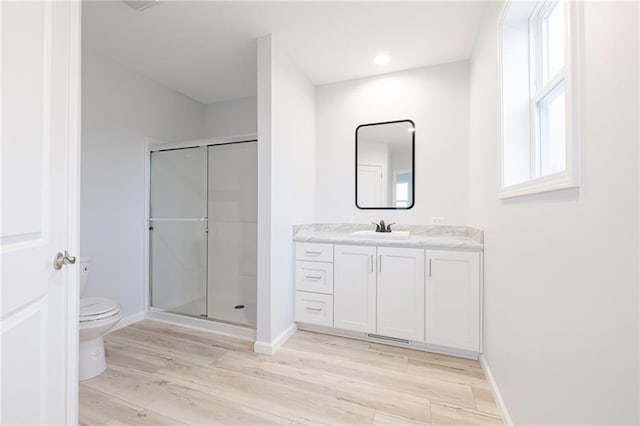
(453, 299)
(400, 310)
(354, 288)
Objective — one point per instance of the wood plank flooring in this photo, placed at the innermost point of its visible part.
(160, 374)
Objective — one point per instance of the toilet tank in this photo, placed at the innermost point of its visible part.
(84, 273)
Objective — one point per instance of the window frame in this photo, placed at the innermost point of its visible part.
(570, 77)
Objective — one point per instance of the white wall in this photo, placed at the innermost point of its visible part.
(231, 118)
(561, 290)
(119, 110)
(286, 181)
(437, 100)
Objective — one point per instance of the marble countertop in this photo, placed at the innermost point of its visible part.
(421, 236)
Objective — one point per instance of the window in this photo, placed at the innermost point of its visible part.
(538, 41)
(403, 188)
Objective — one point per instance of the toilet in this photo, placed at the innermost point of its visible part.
(97, 317)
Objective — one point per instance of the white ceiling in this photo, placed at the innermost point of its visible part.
(207, 50)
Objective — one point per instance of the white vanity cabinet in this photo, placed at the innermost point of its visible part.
(429, 299)
(314, 284)
(379, 290)
(355, 288)
(453, 299)
(400, 307)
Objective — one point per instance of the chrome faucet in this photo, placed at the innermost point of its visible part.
(381, 227)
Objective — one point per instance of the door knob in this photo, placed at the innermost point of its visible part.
(62, 259)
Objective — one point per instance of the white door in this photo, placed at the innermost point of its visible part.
(354, 288)
(370, 186)
(453, 299)
(401, 293)
(40, 187)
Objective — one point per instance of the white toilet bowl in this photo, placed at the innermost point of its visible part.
(97, 317)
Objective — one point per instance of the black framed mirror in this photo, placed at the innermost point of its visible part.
(385, 165)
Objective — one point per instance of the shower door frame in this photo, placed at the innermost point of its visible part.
(151, 312)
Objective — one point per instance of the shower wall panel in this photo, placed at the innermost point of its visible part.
(232, 246)
(179, 267)
(178, 230)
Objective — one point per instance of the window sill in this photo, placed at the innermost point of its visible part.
(554, 182)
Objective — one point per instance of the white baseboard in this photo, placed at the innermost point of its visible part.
(418, 346)
(496, 392)
(262, 348)
(131, 319)
(224, 329)
(269, 348)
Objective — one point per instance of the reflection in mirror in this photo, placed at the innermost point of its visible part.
(385, 165)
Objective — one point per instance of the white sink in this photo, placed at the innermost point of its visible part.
(393, 235)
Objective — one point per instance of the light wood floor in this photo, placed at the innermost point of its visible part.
(166, 375)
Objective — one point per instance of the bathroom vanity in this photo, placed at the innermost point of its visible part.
(419, 286)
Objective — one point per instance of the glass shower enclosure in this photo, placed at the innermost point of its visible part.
(203, 232)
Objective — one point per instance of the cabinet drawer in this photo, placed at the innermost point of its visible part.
(313, 308)
(314, 252)
(314, 276)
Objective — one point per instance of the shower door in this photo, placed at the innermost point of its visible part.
(232, 248)
(178, 230)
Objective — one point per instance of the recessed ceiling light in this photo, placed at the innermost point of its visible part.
(381, 59)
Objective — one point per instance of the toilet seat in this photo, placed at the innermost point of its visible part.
(97, 308)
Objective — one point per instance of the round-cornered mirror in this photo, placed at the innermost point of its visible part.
(385, 165)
